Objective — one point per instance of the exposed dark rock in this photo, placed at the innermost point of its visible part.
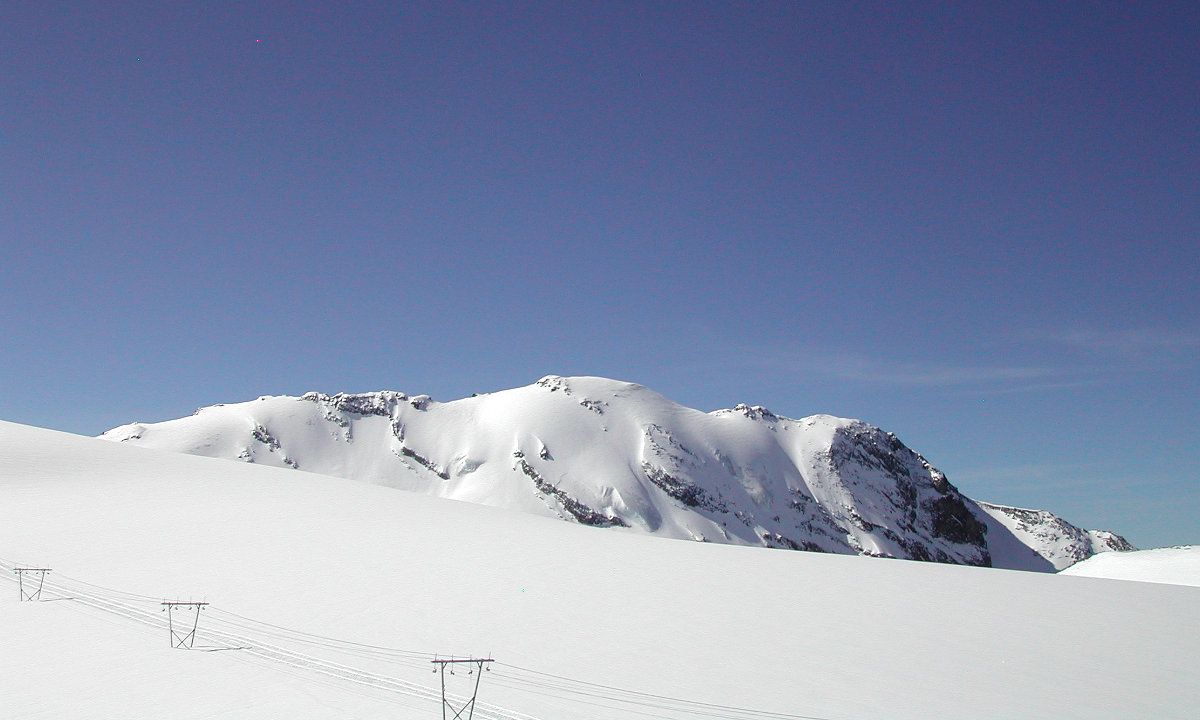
(260, 434)
(376, 403)
(578, 510)
(682, 490)
(1115, 541)
(777, 540)
(424, 462)
(872, 448)
(662, 444)
(755, 412)
(953, 520)
(596, 406)
(554, 383)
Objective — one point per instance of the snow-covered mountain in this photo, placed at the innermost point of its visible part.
(330, 597)
(608, 453)
(1179, 565)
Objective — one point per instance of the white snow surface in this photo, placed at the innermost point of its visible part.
(298, 565)
(612, 453)
(1178, 565)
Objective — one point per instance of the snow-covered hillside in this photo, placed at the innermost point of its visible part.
(1054, 538)
(329, 598)
(1175, 565)
(610, 453)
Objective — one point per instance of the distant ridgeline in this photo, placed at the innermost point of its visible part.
(615, 454)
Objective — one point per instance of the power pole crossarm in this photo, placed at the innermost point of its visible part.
(32, 593)
(468, 707)
(183, 638)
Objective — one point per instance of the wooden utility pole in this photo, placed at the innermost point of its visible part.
(476, 666)
(183, 638)
(32, 594)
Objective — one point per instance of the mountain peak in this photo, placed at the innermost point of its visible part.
(616, 454)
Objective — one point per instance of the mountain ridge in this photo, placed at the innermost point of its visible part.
(611, 453)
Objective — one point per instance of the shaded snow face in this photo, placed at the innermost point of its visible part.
(1064, 543)
(613, 454)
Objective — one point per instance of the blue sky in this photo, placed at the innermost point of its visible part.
(974, 224)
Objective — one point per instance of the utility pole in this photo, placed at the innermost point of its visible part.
(476, 668)
(183, 638)
(32, 594)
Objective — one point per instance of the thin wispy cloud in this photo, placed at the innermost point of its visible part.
(1037, 386)
(1146, 344)
(1025, 474)
(931, 375)
(1058, 367)
(1150, 338)
(860, 368)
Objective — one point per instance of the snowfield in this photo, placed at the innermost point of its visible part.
(330, 597)
(1173, 565)
(619, 455)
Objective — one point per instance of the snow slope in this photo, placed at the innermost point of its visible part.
(609, 453)
(1175, 565)
(299, 565)
(1055, 539)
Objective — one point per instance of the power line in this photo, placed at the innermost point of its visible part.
(541, 683)
(714, 706)
(398, 651)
